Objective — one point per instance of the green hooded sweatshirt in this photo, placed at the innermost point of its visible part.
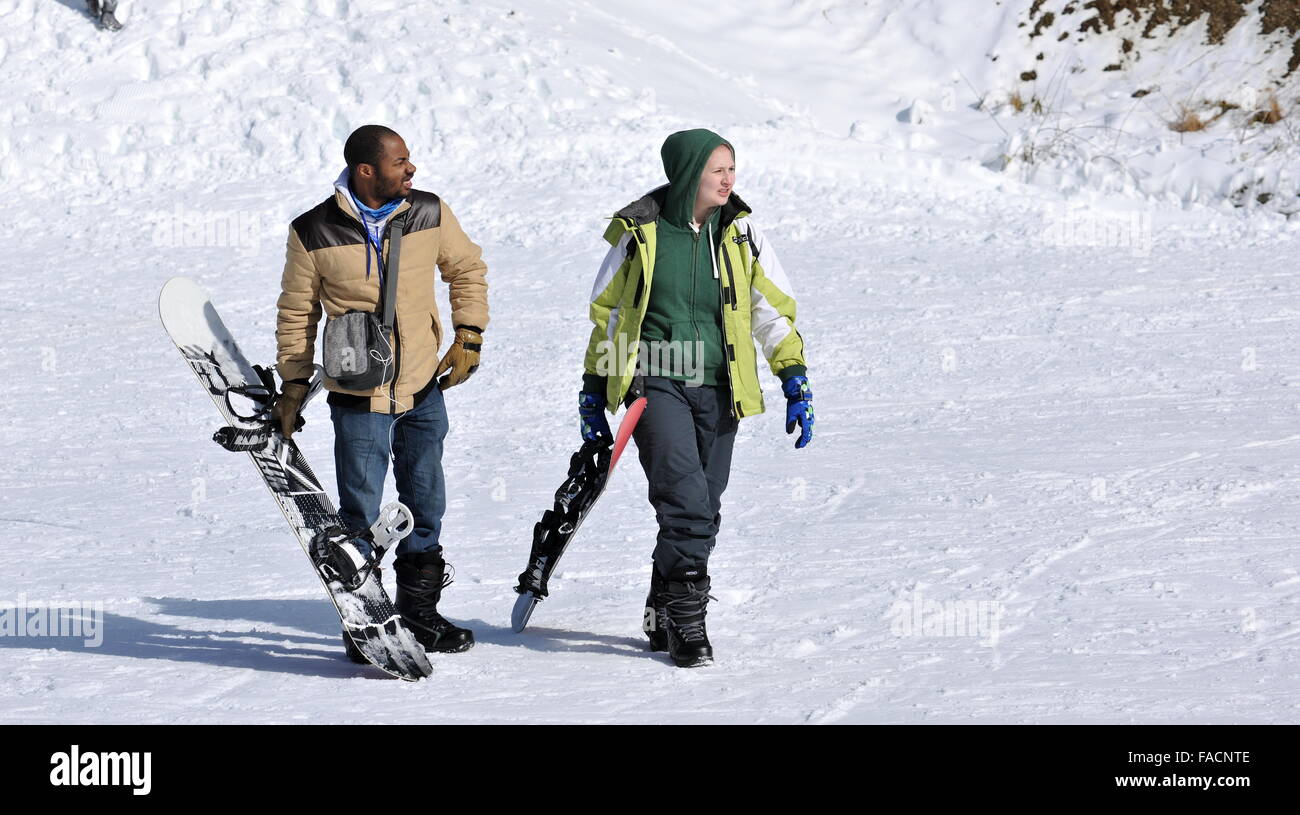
(685, 304)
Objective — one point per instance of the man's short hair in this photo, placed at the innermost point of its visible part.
(366, 145)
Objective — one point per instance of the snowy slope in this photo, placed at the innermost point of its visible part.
(1070, 403)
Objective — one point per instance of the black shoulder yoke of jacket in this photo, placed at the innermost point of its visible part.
(325, 225)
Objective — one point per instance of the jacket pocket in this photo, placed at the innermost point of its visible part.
(435, 328)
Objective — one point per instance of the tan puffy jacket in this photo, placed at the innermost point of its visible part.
(325, 267)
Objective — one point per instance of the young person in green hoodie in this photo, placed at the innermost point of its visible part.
(688, 285)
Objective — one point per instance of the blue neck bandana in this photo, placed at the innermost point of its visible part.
(371, 220)
(381, 212)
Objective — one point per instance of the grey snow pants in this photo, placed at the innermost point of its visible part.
(684, 441)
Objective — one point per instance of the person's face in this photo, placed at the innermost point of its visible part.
(393, 174)
(718, 178)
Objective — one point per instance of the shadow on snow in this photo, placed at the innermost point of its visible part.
(318, 652)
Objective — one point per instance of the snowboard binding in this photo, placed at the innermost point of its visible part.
(349, 556)
(588, 469)
(339, 558)
(251, 406)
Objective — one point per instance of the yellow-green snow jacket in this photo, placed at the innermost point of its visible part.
(756, 297)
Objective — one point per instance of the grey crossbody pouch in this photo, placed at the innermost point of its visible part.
(358, 348)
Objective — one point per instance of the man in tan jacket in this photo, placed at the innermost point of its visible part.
(336, 262)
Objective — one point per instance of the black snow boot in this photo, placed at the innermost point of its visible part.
(685, 600)
(654, 620)
(349, 647)
(420, 580)
(104, 13)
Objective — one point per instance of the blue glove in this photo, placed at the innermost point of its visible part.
(798, 409)
(591, 410)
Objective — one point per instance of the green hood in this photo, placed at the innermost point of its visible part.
(685, 153)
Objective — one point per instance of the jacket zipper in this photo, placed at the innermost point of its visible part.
(639, 237)
(695, 264)
(640, 288)
(736, 412)
(731, 275)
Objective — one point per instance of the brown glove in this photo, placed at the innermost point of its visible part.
(287, 407)
(461, 358)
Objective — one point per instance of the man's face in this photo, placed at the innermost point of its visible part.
(394, 172)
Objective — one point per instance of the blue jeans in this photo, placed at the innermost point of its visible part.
(361, 453)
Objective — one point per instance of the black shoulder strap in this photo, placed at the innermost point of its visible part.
(390, 272)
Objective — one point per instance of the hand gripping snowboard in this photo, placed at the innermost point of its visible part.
(344, 559)
(589, 471)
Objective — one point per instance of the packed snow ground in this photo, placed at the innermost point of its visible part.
(1073, 415)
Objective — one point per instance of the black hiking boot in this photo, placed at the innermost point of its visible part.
(420, 580)
(103, 12)
(685, 601)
